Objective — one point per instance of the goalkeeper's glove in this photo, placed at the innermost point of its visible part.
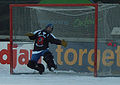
(64, 43)
(29, 34)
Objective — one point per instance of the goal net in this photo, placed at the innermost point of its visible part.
(75, 23)
(108, 56)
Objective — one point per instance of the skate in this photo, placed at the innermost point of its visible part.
(52, 68)
(41, 68)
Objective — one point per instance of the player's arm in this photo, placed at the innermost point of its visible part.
(53, 40)
(63, 43)
(30, 35)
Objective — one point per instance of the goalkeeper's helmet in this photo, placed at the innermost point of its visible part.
(49, 28)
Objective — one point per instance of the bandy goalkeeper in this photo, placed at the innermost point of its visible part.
(41, 48)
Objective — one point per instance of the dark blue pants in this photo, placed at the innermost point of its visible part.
(37, 54)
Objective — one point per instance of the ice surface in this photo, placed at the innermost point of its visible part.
(56, 79)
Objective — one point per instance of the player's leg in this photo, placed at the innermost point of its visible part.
(48, 58)
(34, 65)
(41, 68)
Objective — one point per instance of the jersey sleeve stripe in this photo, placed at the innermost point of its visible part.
(36, 31)
(53, 35)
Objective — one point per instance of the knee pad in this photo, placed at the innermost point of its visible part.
(31, 64)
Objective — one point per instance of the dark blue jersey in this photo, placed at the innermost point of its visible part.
(42, 39)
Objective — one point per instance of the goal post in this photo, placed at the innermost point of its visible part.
(21, 23)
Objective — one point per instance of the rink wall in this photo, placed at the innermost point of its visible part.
(79, 57)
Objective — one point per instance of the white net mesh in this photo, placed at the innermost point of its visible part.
(108, 40)
(73, 21)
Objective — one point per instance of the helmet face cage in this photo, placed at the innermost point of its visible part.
(51, 26)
